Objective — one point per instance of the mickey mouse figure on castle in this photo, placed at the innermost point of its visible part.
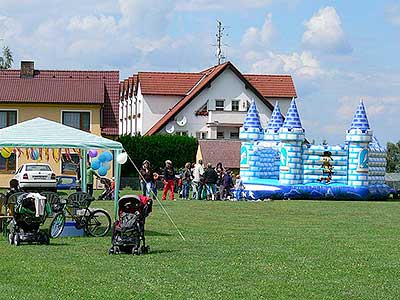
(327, 168)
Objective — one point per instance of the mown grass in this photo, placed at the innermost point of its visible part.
(266, 250)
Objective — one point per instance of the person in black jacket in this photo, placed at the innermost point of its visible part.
(146, 178)
(169, 177)
(210, 179)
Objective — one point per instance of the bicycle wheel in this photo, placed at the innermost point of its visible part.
(98, 223)
(57, 225)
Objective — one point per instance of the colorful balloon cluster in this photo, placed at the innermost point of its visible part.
(6, 152)
(102, 163)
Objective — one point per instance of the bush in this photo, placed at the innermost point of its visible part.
(157, 149)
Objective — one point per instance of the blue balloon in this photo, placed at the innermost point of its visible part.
(102, 157)
(108, 155)
(102, 171)
(95, 164)
(107, 165)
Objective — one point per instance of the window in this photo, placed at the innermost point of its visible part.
(201, 135)
(220, 135)
(234, 135)
(235, 105)
(247, 106)
(219, 105)
(8, 165)
(70, 167)
(79, 120)
(8, 118)
(182, 133)
(37, 168)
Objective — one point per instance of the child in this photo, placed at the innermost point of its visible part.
(154, 186)
(239, 187)
(169, 178)
(228, 184)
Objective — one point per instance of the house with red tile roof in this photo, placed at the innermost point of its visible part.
(210, 104)
(87, 100)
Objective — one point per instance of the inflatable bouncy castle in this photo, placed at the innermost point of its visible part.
(278, 163)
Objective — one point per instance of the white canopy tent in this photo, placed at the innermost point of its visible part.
(43, 133)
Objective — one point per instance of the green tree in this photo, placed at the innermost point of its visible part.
(6, 59)
(393, 157)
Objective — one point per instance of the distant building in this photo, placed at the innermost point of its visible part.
(210, 104)
(87, 100)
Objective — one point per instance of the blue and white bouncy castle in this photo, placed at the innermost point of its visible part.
(278, 163)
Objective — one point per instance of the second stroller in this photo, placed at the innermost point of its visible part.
(128, 231)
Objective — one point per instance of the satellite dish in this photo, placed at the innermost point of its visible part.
(182, 121)
(170, 128)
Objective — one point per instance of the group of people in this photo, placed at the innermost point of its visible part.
(205, 183)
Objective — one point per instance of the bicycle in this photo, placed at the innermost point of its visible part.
(95, 222)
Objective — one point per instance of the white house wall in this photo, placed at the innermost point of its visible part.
(227, 86)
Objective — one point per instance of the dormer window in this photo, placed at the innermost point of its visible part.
(220, 105)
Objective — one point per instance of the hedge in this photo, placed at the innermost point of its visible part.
(157, 149)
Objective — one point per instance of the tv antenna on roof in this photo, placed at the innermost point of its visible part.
(220, 33)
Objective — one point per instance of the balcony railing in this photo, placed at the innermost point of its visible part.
(226, 117)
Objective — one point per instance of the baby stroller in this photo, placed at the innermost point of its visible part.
(128, 231)
(108, 191)
(30, 212)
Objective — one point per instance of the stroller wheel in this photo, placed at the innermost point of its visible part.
(145, 249)
(116, 250)
(111, 251)
(17, 239)
(11, 238)
(45, 240)
(136, 251)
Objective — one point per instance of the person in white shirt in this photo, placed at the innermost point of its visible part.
(198, 172)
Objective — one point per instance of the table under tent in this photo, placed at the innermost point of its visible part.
(41, 133)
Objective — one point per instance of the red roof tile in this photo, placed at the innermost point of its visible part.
(273, 85)
(52, 91)
(109, 89)
(225, 151)
(174, 84)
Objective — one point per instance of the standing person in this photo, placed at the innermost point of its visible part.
(220, 187)
(227, 185)
(146, 178)
(239, 187)
(169, 177)
(186, 178)
(198, 172)
(90, 173)
(210, 180)
(155, 183)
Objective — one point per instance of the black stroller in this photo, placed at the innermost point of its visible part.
(108, 191)
(29, 214)
(128, 231)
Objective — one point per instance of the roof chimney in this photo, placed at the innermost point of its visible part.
(27, 69)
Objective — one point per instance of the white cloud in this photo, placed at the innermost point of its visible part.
(392, 14)
(9, 27)
(375, 106)
(302, 65)
(199, 5)
(324, 32)
(259, 37)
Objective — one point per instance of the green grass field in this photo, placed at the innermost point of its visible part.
(265, 250)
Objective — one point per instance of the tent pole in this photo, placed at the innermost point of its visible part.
(117, 175)
(83, 170)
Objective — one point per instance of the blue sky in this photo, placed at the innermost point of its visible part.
(338, 52)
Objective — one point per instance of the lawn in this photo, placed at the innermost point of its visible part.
(265, 250)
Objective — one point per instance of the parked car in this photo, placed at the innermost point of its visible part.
(35, 176)
(67, 183)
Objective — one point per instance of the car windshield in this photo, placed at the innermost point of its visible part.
(36, 168)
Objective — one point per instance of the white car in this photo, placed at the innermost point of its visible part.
(36, 176)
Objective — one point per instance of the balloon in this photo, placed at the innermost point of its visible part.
(107, 165)
(35, 154)
(102, 171)
(108, 156)
(92, 153)
(95, 164)
(122, 158)
(102, 157)
(6, 152)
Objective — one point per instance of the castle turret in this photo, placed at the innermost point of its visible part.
(251, 132)
(358, 137)
(291, 135)
(275, 123)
